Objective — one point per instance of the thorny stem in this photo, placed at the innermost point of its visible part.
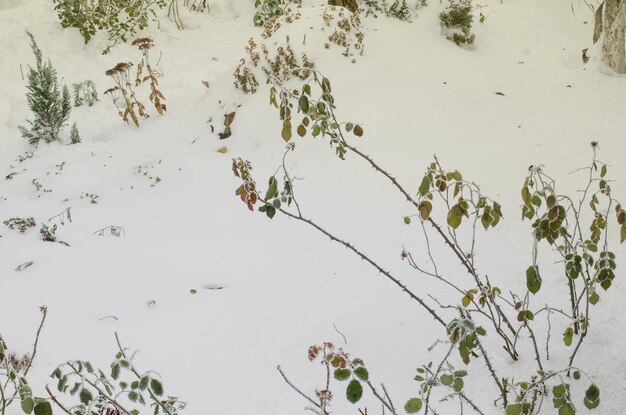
(364, 257)
(583, 334)
(386, 404)
(509, 347)
(470, 403)
(56, 401)
(284, 167)
(534, 341)
(492, 371)
(138, 375)
(296, 389)
(459, 254)
(44, 311)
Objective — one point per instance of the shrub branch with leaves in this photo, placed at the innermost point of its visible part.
(121, 19)
(483, 307)
(121, 392)
(14, 386)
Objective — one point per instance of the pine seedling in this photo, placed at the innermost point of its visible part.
(85, 92)
(49, 102)
(74, 135)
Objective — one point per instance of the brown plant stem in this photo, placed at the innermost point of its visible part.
(56, 401)
(364, 257)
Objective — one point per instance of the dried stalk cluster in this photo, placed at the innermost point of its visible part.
(123, 94)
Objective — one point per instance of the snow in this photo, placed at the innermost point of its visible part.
(282, 286)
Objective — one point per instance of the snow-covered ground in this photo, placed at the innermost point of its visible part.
(286, 287)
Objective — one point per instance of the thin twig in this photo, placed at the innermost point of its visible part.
(344, 337)
(55, 400)
(388, 397)
(472, 404)
(296, 389)
(380, 398)
(436, 376)
(44, 311)
(366, 258)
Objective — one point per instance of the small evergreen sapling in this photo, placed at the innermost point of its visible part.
(49, 103)
(74, 135)
(85, 93)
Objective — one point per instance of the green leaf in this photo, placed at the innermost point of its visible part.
(525, 195)
(536, 200)
(75, 388)
(447, 379)
(514, 409)
(486, 220)
(362, 373)
(303, 103)
(43, 408)
(425, 186)
(413, 405)
(133, 396)
(156, 387)
(354, 392)
(316, 130)
(533, 279)
(592, 405)
(286, 133)
(425, 208)
(458, 384)
(143, 382)
(407, 220)
(455, 216)
(603, 171)
(622, 233)
(567, 409)
(525, 315)
(270, 211)
(326, 85)
(85, 396)
(27, 405)
(592, 393)
(342, 374)
(61, 386)
(567, 336)
(559, 391)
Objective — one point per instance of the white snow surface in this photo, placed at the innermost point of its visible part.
(266, 290)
